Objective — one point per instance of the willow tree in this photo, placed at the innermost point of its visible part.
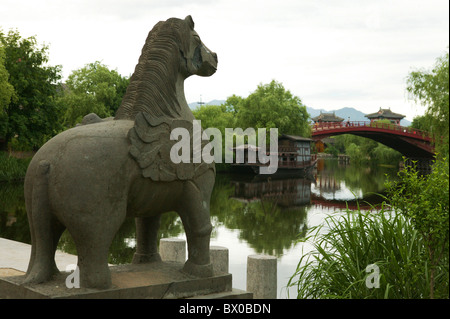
(431, 89)
(272, 106)
(93, 88)
(6, 93)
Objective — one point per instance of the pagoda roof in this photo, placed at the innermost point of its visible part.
(385, 113)
(327, 117)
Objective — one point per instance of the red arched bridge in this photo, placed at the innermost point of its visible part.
(410, 142)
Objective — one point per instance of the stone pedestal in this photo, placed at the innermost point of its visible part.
(172, 249)
(158, 280)
(219, 259)
(152, 280)
(262, 276)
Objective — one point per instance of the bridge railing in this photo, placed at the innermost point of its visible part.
(317, 127)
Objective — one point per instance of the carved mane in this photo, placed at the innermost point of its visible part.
(152, 102)
(152, 86)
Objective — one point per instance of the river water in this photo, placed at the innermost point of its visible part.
(250, 215)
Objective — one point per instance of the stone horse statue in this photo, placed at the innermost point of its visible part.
(88, 179)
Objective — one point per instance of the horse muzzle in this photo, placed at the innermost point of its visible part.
(209, 62)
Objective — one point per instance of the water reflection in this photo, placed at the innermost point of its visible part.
(340, 186)
(287, 192)
(266, 214)
(13, 216)
(269, 213)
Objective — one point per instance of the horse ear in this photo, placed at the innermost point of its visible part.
(190, 22)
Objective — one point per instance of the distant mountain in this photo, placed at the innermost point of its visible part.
(345, 112)
(193, 105)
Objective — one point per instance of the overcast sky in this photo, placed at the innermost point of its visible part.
(330, 53)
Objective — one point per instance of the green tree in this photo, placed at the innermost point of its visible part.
(6, 89)
(31, 117)
(217, 116)
(92, 89)
(271, 106)
(422, 122)
(6, 92)
(358, 148)
(355, 153)
(385, 155)
(431, 88)
(361, 149)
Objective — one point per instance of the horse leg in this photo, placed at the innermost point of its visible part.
(147, 239)
(93, 241)
(196, 221)
(42, 264)
(45, 229)
(93, 262)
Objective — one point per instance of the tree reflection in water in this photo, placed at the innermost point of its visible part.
(268, 212)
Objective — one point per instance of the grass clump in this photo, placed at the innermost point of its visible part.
(399, 251)
(362, 255)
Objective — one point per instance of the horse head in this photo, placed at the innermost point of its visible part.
(198, 60)
(172, 52)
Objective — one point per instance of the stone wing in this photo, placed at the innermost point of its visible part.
(151, 145)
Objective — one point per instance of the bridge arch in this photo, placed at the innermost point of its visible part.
(410, 142)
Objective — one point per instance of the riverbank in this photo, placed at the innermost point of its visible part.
(402, 249)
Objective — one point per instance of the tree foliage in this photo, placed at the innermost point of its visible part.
(6, 89)
(6, 92)
(424, 200)
(31, 117)
(423, 123)
(35, 105)
(93, 88)
(362, 149)
(271, 106)
(431, 88)
(214, 116)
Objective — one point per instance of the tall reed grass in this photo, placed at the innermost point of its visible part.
(348, 242)
(11, 168)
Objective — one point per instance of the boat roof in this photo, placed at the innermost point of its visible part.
(294, 138)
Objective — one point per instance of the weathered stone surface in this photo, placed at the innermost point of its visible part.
(219, 259)
(172, 249)
(262, 276)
